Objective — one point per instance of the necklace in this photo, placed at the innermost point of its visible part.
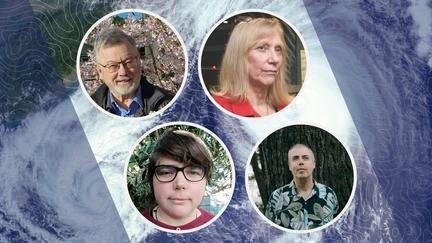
(155, 213)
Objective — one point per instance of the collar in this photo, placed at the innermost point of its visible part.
(203, 218)
(315, 189)
(137, 102)
(245, 109)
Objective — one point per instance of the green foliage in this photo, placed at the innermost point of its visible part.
(63, 31)
(118, 21)
(138, 183)
(138, 186)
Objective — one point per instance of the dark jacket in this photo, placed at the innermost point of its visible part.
(153, 98)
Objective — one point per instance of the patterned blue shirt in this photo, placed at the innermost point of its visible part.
(287, 208)
(133, 106)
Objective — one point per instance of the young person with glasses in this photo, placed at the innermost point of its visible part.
(179, 170)
(124, 92)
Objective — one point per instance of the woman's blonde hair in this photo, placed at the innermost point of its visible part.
(233, 77)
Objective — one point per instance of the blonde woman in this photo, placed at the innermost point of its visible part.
(252, 80)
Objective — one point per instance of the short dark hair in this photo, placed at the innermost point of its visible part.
(181, 146)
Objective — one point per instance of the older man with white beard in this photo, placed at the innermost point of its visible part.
(124, 92)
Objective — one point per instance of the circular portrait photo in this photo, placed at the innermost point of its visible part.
(131, 64)
(301, 178)
(253, 64)
(180, 177)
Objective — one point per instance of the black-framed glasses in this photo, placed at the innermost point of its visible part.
(167, 173)
(113, 67)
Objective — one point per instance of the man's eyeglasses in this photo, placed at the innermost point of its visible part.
(167, 173)
(113, 67)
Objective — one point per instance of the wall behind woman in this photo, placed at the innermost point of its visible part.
(214, 49)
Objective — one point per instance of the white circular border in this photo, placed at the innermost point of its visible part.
(347, 205)
(233, 176)
(238, 13)
(130, 10)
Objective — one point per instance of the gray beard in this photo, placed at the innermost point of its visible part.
(125, 90)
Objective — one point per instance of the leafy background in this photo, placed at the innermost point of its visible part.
(138, 183)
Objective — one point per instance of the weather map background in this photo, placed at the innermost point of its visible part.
(368, 83)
